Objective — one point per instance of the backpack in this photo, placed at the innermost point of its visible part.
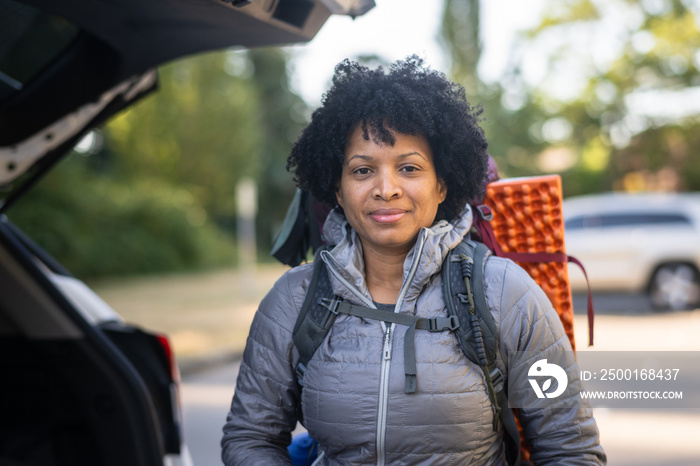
(468, 316)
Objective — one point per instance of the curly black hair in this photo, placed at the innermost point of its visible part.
(410, 99)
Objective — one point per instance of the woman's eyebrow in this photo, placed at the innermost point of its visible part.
(403, 156)
(359, 156)
(400, 156)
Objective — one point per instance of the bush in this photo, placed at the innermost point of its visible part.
(98, 227)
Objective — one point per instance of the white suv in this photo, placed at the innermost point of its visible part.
(637, 242)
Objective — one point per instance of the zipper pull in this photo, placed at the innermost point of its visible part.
(387, 344)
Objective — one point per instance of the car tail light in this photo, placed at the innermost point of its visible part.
(172, 363)
(176, 401)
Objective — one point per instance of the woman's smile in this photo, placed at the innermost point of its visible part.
(387, 215)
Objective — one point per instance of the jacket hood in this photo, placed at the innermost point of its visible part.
(422, 262)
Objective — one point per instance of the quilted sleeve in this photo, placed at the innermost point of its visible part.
(561, 431)
(262, 416)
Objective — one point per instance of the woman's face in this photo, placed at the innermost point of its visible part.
(389, 192)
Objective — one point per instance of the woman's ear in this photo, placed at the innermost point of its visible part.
(338, 195)
(442, 190)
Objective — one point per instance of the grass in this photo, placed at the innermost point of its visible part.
(204, 314)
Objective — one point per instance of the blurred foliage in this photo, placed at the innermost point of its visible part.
(507, 131)
(460, 31)
(283, 115)
(97, 226)
(159, 195)
(594, 92)
(200, 131)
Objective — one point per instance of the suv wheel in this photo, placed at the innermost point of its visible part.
(675, 286)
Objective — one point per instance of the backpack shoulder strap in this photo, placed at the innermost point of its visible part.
(465, 297)
(314, 320)
(465, 268)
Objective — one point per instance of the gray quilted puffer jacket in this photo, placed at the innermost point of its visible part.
(353, 400)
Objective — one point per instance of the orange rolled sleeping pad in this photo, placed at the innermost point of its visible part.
(527, 218)
(527, 225)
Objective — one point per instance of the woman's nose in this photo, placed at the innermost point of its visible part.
(387, 186)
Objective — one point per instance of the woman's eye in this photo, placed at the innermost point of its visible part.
(361, 171)
(409, 168)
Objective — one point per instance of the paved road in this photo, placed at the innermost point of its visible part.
(615, 303)
(643, 437)
(206, 397)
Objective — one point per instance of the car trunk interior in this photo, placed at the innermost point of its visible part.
(68, 393)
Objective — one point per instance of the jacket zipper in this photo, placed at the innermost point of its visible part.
(388, 340)
(386, 359)
(383, 394)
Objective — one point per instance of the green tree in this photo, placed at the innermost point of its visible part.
(283, 114)
(200, 131)
(460, 33)
(627, 54)
(587, 109)
(507, 114)
(217, 118)
(99, 226)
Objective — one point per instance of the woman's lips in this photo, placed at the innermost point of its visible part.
(387, 215)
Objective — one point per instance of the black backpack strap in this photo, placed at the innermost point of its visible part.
(465, 297)
(314, 320)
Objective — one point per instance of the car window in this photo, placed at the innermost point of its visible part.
(29, 40)
(624, 219)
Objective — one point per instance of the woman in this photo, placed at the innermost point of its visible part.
(399, 155)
